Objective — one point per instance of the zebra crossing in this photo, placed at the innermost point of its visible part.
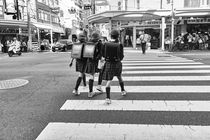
(177, 113)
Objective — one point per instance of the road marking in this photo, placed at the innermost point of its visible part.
(155, 61)
(157, 89)
(161, 78)
(137, 105)
(147, 64)
(166, 71)
(100, 131)
(165, 67)
(12, 83)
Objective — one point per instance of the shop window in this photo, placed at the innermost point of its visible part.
(191, 3)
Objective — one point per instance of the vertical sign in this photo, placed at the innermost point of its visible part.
(1, 8)
(10, 6)
(138, 4)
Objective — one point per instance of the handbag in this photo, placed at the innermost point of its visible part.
(101, 64)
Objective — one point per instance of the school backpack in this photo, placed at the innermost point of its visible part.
(77, 50)
(112, 51)
(89, 50)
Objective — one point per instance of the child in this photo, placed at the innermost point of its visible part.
(113, 53)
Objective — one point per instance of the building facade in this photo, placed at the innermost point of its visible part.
(72, 17)
(34, 21)
(48, 25)
(133, 16)
(12, 25)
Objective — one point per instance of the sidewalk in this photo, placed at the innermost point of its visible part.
(3, 55)
(152, 54)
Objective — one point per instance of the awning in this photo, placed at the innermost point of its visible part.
(42, 26)
(56, 29)
(13, 23)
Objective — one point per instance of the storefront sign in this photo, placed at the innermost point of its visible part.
(144, 23)
(198, 21)
(9, 31)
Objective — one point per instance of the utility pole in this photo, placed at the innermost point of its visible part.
(161, 4)
(93, 5)
(29, 26)
(172, 22)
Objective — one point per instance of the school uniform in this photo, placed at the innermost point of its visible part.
(92, 63)
(81, 65)
(112, 67)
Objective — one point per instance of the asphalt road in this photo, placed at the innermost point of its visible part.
(26, 111)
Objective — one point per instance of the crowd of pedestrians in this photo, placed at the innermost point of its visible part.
(189, 41)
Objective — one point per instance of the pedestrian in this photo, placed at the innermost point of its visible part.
(92, 52)
(1, 47)
(189, 40)
(113, 53)
(167, 42)
(144, 39)
(80, 62)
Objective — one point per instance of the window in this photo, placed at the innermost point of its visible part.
(44, 1)
(39, 14)
(1, 10)
(56, 2)
(51, 3)
(191, 3)
(48, 17)
(48, 2)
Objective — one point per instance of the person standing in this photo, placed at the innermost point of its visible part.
(113, 53)
(143, 38)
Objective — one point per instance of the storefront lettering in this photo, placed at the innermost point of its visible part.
(9, 30)
(199, 20)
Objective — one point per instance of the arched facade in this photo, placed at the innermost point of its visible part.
(160, 19)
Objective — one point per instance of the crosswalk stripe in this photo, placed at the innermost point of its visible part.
(137, 105)
(106, 131)
(165, 67)
(166, 71)
(162, 78)
(99, 131)
(147, 64)
(158, 89)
